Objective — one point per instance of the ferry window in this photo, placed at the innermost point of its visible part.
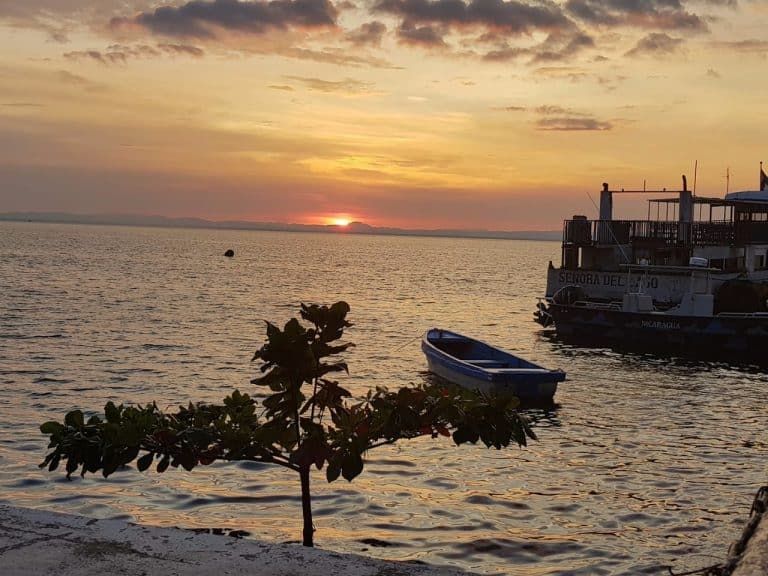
(759, 261)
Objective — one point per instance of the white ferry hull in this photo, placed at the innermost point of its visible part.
(665, 288)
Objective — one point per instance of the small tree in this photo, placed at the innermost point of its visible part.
(305, 421)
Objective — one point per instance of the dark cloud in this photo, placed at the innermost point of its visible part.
(506, 54)
(427, 36)
(559, 47)
(510, 17)
(283, 87)
(649, 14)
(182, 50)
(569, 124)
(369, 33)
(656, 44)
(201, 18)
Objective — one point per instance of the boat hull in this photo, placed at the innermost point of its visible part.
(664, 288)
(530, 389)
(488, 369)
(720, 336)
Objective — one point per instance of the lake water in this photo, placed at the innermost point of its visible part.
(644, 463)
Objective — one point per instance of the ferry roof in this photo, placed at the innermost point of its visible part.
(715, 202)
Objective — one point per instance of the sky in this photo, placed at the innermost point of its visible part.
(473, 114)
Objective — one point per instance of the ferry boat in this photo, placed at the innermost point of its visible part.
(728, 235)
(693, 283)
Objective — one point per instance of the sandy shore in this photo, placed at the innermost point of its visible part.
(39, 542)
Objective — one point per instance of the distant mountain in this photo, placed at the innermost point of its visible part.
(351, 228)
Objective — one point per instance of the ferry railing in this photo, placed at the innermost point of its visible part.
(719, 233)
(584, 232)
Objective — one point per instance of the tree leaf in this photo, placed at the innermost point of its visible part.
(145, 461)
(51, 427)
(74, 419)
(352, 467)
(162, 466)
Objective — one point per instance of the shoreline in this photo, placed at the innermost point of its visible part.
(35, 541)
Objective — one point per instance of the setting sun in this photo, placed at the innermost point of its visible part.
(340, 221)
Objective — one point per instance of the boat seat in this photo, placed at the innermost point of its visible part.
(520, 370)
(488, 363)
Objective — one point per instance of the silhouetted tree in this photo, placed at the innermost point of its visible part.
(304, 422)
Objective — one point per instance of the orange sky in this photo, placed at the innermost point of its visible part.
(491, 114)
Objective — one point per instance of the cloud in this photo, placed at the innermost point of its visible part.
(559, 47)
(656, 44)
(743, 46)
(510, 108)
(547, 109)
(337, 57)
(206, 19)
(100, 57)
(712, 73)
(718, 3)
(510, 17)
(569, 124)
(649, 14)
(426, 36)
(561, 73)
(23, 105)
(505, 54)
(555, 117)
(60, 17)
(283, 87)
(346, 87)
(120, 53)
(370, 33)
(182, 50)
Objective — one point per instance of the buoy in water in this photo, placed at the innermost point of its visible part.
(229, 253)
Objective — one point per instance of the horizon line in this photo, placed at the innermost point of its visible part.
(354, 227)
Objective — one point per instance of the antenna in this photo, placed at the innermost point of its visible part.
(727, 179)
(695, 169)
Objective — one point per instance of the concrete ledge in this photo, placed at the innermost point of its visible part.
(37, 542)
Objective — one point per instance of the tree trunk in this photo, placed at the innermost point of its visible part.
(306, 507)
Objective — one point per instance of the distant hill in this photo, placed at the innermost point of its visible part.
(351, 228)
